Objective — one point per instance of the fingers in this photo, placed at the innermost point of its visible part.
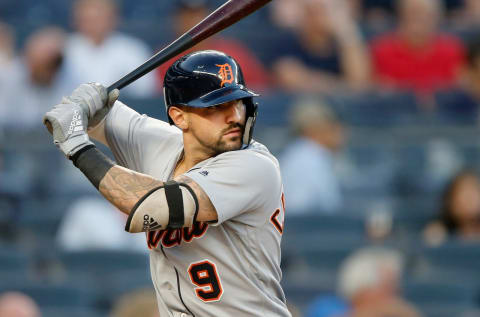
(101, 91)
(92, 97)
(112, 97)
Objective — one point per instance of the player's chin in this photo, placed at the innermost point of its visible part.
(231, 144)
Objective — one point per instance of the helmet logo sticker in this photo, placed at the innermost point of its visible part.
(226, 73)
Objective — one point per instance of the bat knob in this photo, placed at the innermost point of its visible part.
(49, 126)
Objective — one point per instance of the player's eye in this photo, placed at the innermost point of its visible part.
(213, 108)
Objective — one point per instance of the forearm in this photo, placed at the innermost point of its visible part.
(354, 58)
(119, 185)
(356, 66)
(127, 189)
(124, 187)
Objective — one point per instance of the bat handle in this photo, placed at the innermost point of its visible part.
(179, 45)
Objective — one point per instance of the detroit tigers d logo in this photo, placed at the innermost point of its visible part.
(226, 74)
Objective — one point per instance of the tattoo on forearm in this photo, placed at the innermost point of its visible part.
(123, 187)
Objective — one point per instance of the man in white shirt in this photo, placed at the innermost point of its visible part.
(307, 163)
(96, 53)
(36, 79)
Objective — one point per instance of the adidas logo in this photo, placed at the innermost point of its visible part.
(154, 225)
(204, 173)
(150, 224)
(76, 123)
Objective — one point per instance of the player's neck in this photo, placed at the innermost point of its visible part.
(188, 160)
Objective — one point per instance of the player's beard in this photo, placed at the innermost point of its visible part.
(220, 145)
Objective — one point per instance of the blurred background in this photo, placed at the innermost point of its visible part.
(371, 107)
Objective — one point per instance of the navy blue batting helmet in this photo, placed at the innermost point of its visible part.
(208, 78)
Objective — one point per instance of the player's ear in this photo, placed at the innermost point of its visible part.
(179, 117)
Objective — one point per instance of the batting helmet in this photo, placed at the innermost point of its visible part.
(208, 78)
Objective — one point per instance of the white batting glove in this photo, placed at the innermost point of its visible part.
(69, 127)
(93, 100)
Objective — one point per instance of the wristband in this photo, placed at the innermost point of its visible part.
(93, 164)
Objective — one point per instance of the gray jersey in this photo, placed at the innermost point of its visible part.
(231, 267)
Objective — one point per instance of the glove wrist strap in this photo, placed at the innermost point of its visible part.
(93, 164)
(74, 144)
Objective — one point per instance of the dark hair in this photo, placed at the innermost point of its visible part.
(446, 212)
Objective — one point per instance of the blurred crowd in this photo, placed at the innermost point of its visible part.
(320, 46)
(356, 94)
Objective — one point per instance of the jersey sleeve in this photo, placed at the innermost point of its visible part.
(239, 183)
(130, 136)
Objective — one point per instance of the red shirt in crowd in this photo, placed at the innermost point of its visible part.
(433, 66)
(255, 74)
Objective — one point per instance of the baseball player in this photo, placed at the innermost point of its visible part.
(208, 197)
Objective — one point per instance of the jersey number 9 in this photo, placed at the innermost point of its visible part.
(204, 275)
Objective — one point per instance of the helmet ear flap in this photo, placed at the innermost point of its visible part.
(167, 106)
(251, 115)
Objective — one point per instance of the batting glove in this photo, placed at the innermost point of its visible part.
(69, 124)
(94, 101)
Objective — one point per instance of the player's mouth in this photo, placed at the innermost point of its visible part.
(234, 132)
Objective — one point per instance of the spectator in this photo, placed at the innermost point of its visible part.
(377, 15)
(37, 82)
(93, 223)
(14, 304)
(460, 211)
(416, 55)
(286, 14)
(136, 303)
(467, 17)
(7, 51)
(7, 47)
(99, 54)
(319, 136)
(471, 75)
(327, 51)
(369, 281)
(187, 15)
(460, 105)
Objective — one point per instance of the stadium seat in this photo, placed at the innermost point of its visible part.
(274, 109)
(376, 110)
(454, 254)
(314, 223)
(448, 310)
(72, 312)
(327, 254)
(13, 259)
(456, 107)
(434, 292)
(116, 283)
(100, 262)
(56, 295)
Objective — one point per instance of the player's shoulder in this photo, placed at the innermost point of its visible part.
(122, 116)
(256, 157)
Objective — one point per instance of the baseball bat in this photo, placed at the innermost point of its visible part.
(224, 16)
